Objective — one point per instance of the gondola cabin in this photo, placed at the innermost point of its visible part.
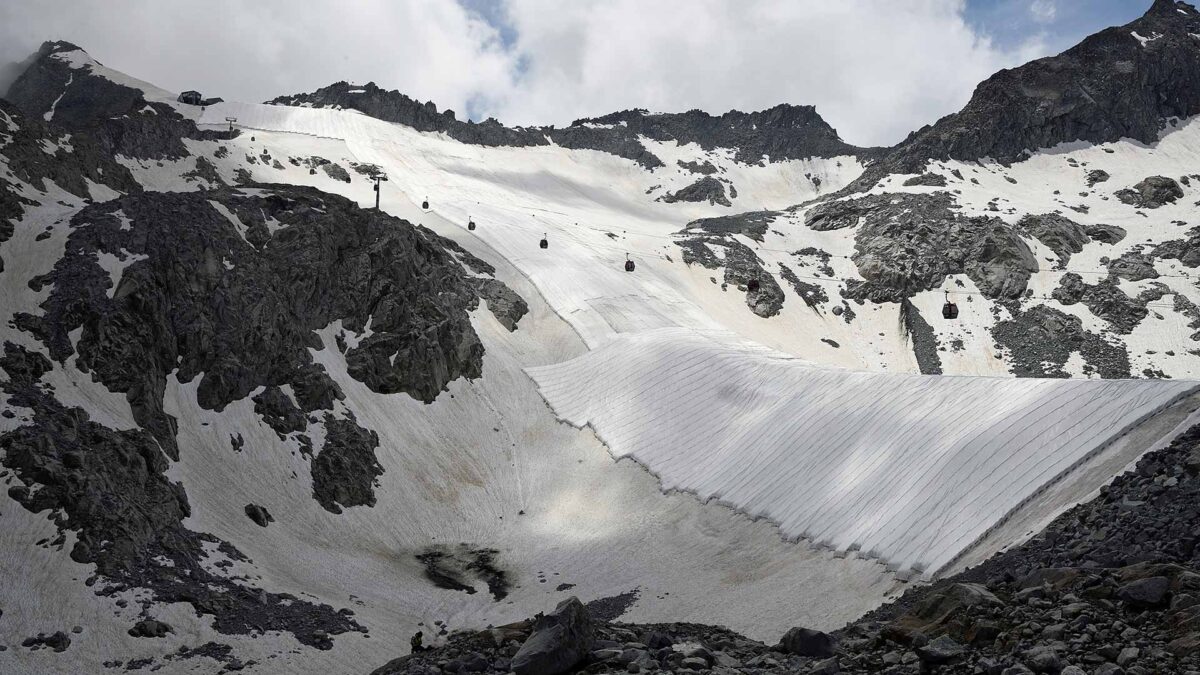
(544, 243)
(949, 310)
(191, 98)
(628, 263)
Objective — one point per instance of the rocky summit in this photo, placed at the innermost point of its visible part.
(346, 382)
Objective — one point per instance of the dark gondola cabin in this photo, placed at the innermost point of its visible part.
(470, 224)
(628, 263)
(544, 243)
(949, 310)
(425, 204)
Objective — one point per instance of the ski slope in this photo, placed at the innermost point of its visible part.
(594, 208)
(907, 469)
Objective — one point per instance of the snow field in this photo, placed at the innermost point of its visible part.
(907, 469)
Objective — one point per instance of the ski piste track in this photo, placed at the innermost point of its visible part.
(908, 470)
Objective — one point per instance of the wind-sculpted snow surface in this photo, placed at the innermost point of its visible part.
(908, 469)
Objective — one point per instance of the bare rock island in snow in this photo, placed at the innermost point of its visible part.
(926, 408)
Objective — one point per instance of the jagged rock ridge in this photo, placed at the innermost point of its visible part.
(782, 132)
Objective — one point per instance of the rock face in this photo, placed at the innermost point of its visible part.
(1106, 300)
(1186, 251)
(559, 640)
(1151, 193)
(910, 242)
(344, 472)
(228, 286)
(782, 132)
(1122, 82)
(1041, 339)
(743, 268)
(60, 83)
(198, 284)
(1061, 235)
(127, 515)
(921, 334)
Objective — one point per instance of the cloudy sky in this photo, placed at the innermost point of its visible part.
(875, 69)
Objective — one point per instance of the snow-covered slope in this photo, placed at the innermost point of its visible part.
(907, 469)
(763, 355)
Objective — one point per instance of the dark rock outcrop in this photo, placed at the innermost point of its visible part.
(278, 411)
(743, 268)
(1186, 251)
(150, 628)
(908, 243)
(704, 168)
(1151, 193)
(76, 158)
(752, 224)
(344, 472)
(220, 296)
(259, 515)
(1134, 266)
(808, 642)
(813, 295)
(559, 641)
(1061, 235)
(127, 515)
(1105, 300)
(1096, 176)
(1041, 339)
(707, 189)
(914, 327)
(1105, 234)
(926, 179)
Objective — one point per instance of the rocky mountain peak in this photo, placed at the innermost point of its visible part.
(1123, 82)
(1170, 8)
(782, 132)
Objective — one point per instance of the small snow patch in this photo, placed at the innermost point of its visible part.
(230, 216)
(1145, 40)
(115, 265)
(50, 113)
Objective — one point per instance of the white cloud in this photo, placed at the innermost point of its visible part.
(1043, 11)
(875, 69)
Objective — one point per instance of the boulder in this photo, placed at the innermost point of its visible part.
(150, 628)
(942, 649)
(1151, 193)
(259, 515)
(560, 640)
(1149, 592)
(808, 642)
